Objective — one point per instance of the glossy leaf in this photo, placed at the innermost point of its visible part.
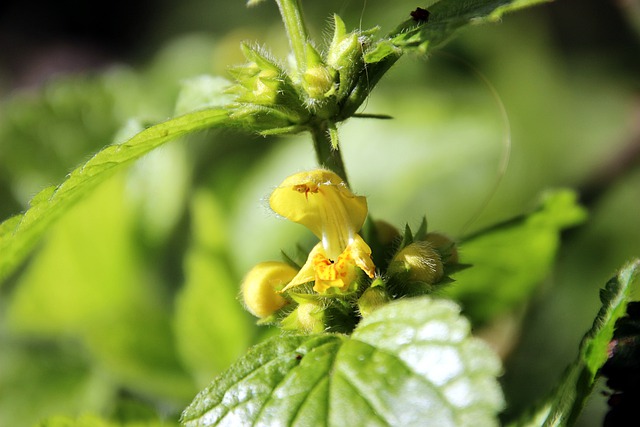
(411, 362)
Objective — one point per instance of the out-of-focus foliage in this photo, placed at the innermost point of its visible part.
(92, 316)
(124, 308)
(209, 335)
(510, 261)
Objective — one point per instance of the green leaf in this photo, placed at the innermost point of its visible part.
(411, 362)
(18, 235)
(38, 380)
(447, 17)
(95, 421)
(44, 132)
(565, 403)
(89, 282)
(511, 259)
(198, 93)
(83, 421)
(211, 326)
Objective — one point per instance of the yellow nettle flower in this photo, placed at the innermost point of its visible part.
(321, 201)
(260, 287)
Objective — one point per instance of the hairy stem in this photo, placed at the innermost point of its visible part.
(328, 155)
(291, 12)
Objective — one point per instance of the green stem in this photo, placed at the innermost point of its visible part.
(291, 12)
(327, 152)
(325, 139)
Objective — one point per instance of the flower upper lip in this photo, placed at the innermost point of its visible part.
(323, 203)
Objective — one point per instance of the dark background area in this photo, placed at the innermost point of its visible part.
(41, 38)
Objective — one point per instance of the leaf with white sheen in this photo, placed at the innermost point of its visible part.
(19, 234)
(412, 362)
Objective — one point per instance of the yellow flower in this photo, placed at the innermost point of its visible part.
(321, 201)
(260, 287)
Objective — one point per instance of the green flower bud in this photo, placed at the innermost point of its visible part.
(344, 48)
(418, 262)
(261, 285)
(445, 246)
(260, 58)
(317, 80)
(262, 82)
(308, 317)
(346, 56)
(373, 298)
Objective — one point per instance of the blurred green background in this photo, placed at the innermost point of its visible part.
(130, 304)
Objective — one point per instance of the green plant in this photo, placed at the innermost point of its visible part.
(372, 329)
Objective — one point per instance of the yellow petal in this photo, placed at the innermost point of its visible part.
(321, 201)
(307, 273)
(361, 253)
(259, 287)
(339, 272)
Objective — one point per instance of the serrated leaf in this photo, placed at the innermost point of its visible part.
(411, 362)
(448, 16)
(511, 259)
(565, 403)
(18, 235)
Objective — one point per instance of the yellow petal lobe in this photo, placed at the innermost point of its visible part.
(323, 203)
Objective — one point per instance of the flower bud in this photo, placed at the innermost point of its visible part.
(373, 298)
(445, 246)
(262, 82)
(344, 48)
(317, 79)
(308, 317)
(418, 262)
(261, 285)
(346, 55)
